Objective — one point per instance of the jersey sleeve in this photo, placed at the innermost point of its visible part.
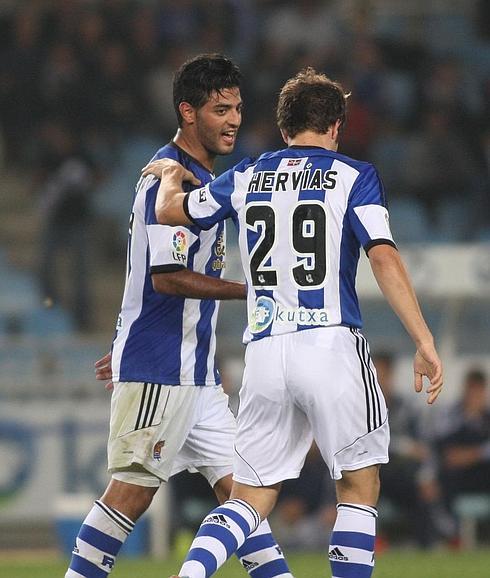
(368, 212)
(168, 246)
(210, 204)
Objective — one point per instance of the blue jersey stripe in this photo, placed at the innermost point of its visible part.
(204, 328)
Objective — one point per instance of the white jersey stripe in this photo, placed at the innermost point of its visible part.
(136, 275)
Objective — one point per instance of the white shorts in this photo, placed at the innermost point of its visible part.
(315, 384)
(165, 429)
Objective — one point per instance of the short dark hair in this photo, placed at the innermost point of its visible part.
(310, 101)
(197, 78)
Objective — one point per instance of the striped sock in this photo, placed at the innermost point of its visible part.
(351, 551)
(222, 532)
(261, 556)
(99, 540)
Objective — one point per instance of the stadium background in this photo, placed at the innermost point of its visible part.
(93, 79)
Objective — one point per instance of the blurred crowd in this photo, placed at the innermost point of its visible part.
(102, 71)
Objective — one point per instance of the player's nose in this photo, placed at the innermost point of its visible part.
(234, 119)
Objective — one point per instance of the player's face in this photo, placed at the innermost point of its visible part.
(217, 121)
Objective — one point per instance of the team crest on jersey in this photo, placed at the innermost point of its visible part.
(157, 450)
(219, 250)
(262, 314)
(220, 245)
(202, 195)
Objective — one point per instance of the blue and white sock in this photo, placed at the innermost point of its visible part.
(351, 551)
(222, 532)
(99, 540)
(261, 556)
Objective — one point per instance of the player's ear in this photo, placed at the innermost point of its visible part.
(335, 128)
(285, 136)
(188, 112)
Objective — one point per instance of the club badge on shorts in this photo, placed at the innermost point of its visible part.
(157, 450)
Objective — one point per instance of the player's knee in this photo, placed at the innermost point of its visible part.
(359, 486)
(128, 497)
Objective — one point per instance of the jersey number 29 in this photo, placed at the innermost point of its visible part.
(307, 240)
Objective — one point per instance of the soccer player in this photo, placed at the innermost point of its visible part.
(303, 214)
(168, 411)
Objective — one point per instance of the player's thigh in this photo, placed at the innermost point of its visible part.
(334, 381)
(273, 434)
(208, 447)
(149, 425)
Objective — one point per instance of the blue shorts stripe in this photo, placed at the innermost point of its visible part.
(222, 534)
(99, 540)
(273, 568)
(348, 570)
(205, 558)
(236, 517)
(255, 544)
(86, 568)
(353, 540)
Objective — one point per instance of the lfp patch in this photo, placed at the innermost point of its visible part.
(179, 241)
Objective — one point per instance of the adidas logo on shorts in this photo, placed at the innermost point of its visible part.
(336, 554)
(217, 519)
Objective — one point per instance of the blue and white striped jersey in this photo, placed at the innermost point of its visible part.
(302, 214)
(163, 338)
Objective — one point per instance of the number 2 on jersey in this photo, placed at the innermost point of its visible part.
(307, 239)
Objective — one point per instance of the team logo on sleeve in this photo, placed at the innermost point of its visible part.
(262, 314)
(179, 242)
(202, 195)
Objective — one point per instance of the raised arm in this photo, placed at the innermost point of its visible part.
(393, 280)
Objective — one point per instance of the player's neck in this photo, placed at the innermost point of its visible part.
(194, 148)
(310, 138)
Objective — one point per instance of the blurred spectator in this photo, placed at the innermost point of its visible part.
(66, 182)
(297, 26)
(443, 174)
(20, 102)
(403, 480)
(305, 513)
(465, 447)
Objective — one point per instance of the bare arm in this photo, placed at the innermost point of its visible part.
(393, 280)
(169, 204)
(190, 284)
